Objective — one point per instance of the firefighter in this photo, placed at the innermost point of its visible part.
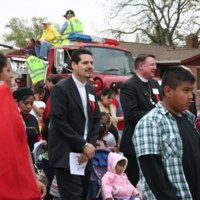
(36, 67)
(48, 39)
(72, 25)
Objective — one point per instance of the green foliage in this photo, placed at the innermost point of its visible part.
(21, 30)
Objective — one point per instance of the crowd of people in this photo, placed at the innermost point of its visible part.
(148, 130)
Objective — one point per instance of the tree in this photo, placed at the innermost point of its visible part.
(22, 30)
(164, 22)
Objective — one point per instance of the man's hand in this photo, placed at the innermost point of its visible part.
(42, 189)
(83, 158)
(89, 150)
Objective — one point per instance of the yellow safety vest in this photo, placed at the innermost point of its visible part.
(36, 69)
(51, 35)
(74, 26)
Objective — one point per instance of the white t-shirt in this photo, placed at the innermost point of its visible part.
(39, 104)
(110, 140)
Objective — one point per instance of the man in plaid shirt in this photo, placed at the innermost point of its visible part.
(167, 144)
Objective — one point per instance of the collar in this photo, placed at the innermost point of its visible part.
(142, 79)
(164, 111)
(78, 83)
(25, 116)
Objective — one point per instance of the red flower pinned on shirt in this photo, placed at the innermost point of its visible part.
(92, 104)
(147, 94)
(157, 97)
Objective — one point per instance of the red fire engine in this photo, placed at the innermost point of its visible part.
(111, 63)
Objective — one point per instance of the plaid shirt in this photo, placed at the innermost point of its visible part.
(157, 133)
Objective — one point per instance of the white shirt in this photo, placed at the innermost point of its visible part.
(39, 104)
(142, 79)
(81, 89)
(110, 140)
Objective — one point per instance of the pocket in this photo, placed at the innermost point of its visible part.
(172, 148)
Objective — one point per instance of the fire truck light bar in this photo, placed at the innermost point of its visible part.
(87, 38)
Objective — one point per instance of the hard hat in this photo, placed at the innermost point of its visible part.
(69, 12)
(45, 21)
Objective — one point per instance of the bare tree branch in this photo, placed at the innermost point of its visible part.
(162, 22)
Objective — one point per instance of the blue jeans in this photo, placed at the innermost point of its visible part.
(42, 50)
(131, 198)
(93, 189)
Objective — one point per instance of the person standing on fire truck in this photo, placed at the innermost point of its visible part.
(72, 25)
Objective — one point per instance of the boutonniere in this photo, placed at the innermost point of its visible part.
(92, 102)
(147, 94)
(156, 94)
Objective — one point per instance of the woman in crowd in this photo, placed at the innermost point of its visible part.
(15, 166)
(25, 98)
(105, 105)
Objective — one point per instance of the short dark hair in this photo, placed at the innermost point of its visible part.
(23, 93)
(76, 54)
(141, 58)
(104, 92)
(115, 86)
(102, 125)
(3, 62)
(54, 78)
(103, 114)
(38, 89)
(173, 77)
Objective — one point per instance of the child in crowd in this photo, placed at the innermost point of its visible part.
(13, 84)
(48, 170)
(25, 98)
(105, 105)
(38, 104)
(115, 183)
(106, 139)
(116, 86)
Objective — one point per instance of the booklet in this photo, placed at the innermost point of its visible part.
(75, 167)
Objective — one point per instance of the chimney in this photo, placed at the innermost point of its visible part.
(191, 41)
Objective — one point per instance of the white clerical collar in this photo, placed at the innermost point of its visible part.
(142, 79)
(77, 82)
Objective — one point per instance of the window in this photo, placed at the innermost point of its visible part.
(112, 61)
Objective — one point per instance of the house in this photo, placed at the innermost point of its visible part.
(171, 56)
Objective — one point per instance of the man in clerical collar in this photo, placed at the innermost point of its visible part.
(138, 96)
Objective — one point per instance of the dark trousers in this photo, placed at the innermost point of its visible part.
(132, 169)
(49, 174)
(72, 187)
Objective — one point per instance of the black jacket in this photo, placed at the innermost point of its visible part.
(136, 103)
(68, 121)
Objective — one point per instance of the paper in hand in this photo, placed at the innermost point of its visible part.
(75, 167)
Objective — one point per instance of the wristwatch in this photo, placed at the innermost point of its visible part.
(85, 145)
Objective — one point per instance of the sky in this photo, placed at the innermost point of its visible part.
(91, 12)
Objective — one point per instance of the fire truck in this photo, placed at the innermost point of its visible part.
(111, 62)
